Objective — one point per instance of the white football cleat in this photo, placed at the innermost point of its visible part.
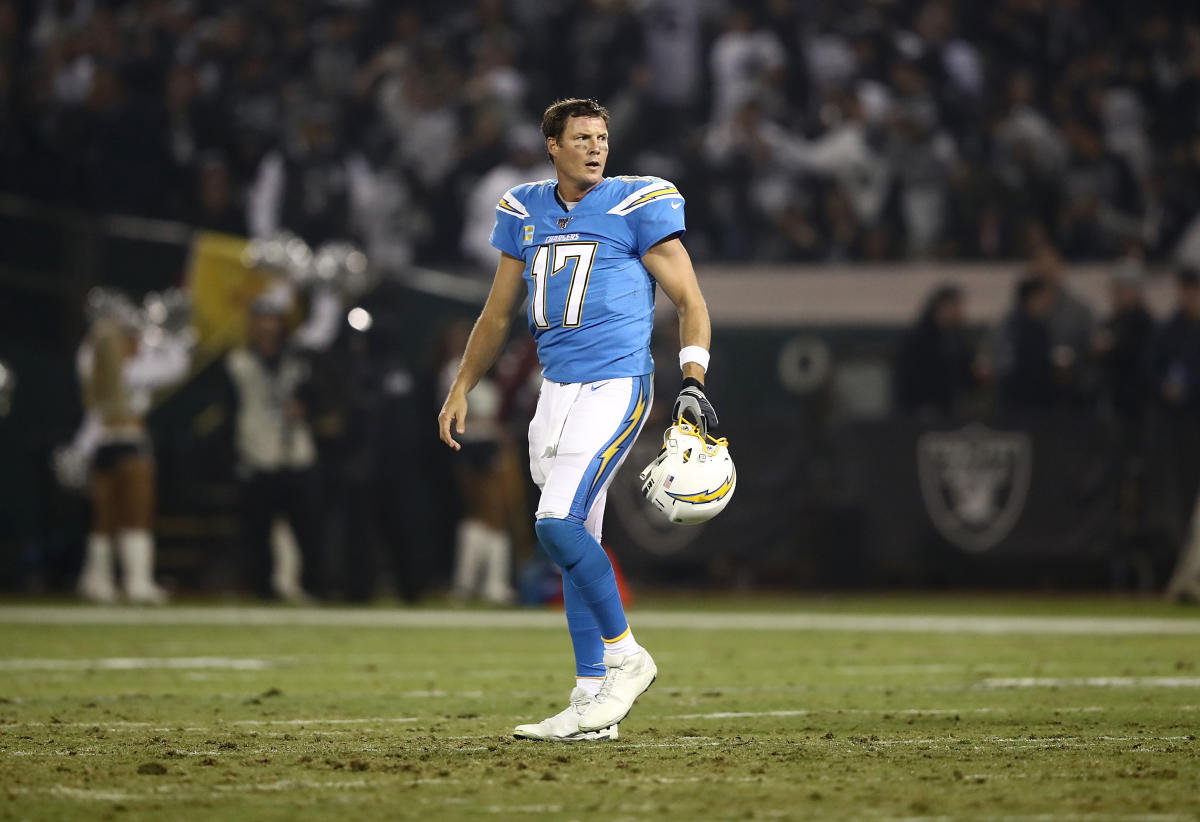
(626, 678)
(564, 726)
(145, 594)
(96, 587)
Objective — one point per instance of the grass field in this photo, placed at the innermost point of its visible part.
(864, 709)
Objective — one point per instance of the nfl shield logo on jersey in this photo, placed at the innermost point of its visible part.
(974, 482)
(562, 222)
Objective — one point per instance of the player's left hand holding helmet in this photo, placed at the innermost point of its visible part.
(693, 406)
(693, 478)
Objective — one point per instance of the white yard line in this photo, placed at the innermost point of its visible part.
(931, 668)
(217, 791)
(892, 711)
(943, 742)
(673, 620)
(1091, 682)
(160, 725)
(221, 663)
(1049, 817)
(373, 720)
(1021, 741)
(91, 795)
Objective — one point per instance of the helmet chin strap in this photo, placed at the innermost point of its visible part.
(709, 442)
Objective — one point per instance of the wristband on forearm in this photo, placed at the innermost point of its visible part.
(693, 353)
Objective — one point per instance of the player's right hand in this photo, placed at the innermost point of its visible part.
(454, 411)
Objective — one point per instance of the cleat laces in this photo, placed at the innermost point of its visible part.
(606, 686)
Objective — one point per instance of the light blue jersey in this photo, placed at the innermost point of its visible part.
(591, 300)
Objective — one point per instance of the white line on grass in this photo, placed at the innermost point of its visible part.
(1051, 817)
(674, 620)
(519, 809)
(169, 727)
(1091, 682)
(317, 721)
(91, 795)
(1021, 741)
(941, 742)
(874, 711)
(220, 663)
(159, 725)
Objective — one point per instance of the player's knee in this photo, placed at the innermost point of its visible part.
(564, 539)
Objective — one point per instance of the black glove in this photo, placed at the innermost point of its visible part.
(693, 406)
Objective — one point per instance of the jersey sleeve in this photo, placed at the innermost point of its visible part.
(655, 212)
(511, 215)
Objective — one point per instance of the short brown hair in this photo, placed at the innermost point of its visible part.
(554, 120)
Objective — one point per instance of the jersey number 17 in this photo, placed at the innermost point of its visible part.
(549, 260)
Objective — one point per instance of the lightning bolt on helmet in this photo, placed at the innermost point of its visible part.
(693, 478)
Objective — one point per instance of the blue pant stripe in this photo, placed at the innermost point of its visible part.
(609, 457)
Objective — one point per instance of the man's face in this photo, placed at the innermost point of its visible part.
(266, 334)
(1040, 303)
(581, 150)
(950, 313)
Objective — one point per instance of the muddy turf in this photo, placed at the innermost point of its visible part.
(869, 709)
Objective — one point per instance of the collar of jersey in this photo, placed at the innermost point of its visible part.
(573, 211)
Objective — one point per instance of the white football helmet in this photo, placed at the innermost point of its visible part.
(693, 478)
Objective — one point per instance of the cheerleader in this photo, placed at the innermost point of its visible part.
(120, 363)
(483, 549)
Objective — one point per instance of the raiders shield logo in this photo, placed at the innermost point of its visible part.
(974, 482)
(562, 223)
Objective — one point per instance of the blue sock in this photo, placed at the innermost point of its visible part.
(586, 566)
(585, 633)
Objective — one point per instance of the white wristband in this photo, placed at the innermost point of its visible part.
(693, 353)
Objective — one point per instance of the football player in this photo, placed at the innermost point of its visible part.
(591, 250)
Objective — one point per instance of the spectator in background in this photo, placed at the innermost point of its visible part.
(249, 94)
(1071, 325)
(1174, 376)
(216, 206)
(526, 155)
(671, 32)
(274, 447)
(103, 104)
(923, 156)
(1181, 205)
(763, 213)
(1023, 356)
(416, 105)
(747, 63)
(187, 120)
(314, 186)
(850, 155)
(1120, 345)
(932, 373)
(112, 146)
(1101, 208)
(381, 498)
(1028, 151)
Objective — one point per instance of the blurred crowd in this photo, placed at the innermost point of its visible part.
(1052, 357)
(799, 129)
(1053, 131)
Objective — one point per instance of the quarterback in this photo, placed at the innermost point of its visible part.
(591, 250)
